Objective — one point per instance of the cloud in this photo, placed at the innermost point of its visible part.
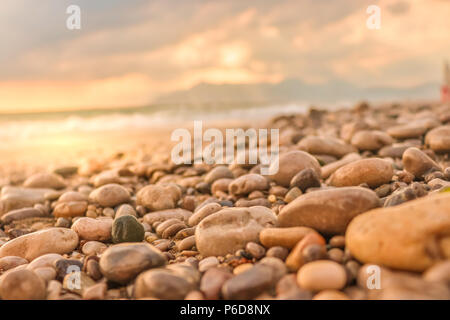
(399, 7)
(130, 52)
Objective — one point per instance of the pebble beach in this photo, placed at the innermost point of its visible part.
(358, 209)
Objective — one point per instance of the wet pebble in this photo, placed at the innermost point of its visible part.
(110, 195)
(122, 262)
(322, 275)
(93, 229)
(127, 229)
(22, 284)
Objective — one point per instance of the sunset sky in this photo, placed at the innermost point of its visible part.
(129, 52)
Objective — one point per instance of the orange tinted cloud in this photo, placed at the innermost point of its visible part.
(129, 54)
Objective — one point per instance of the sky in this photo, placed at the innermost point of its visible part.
(127, 53)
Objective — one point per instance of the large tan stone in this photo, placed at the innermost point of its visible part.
(291, 163)
(374, 172)
(231, 229)
(328, 211)
(33, 245)
(411, 236)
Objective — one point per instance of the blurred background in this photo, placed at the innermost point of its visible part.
(144, 66)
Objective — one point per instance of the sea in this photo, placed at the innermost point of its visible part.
(17, 126)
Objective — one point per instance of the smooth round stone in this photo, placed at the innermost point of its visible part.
(70, 196)
(183, 234)
(46, 260)
(122, 262)
(158, 197)
(95, 292)
(92, 268)
(283, 237)
(408, 131)
(220, 185)
(186, 271)
(252, 203)
(93, 248)
(436, 183)
(291, 163)
(393, 151)
(110, 195)
(192, 182)
(328, 169)
(296, 257)
(23, 213)
(322, 275)
(70, 209)
(106, 177)
(242, 267)
(17, 197)
(127, 229)
(418, 163)
(287, 284)
(186, 243)
(162, 284)
(203, 212)
(248, 183)
(46, 273)
(307, 178)
(278, 252)
(33, 245)
(371, 140)
(293, 194)
(45, 180)
(229, 229)
(439, 272)
(212, 282)
(328, 211)
(163, 215)
(256, 250)
(161, 228)
(325, 145)
(93, 229)
(438, 139)
(10, 262)
(194, 295)
(314, 252)
(349, 129)
(54, 288)
(66, 171)
(219, 172)
(22, 284)
(278, 267)
(250, 283)
(125, 210)
(418, 228)
(374, 172)
(337, 242)
(208, 263)
(331, 295)
(63, 223)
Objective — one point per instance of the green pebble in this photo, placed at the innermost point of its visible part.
(127, 229)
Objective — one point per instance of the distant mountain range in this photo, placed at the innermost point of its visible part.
(294, 90)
